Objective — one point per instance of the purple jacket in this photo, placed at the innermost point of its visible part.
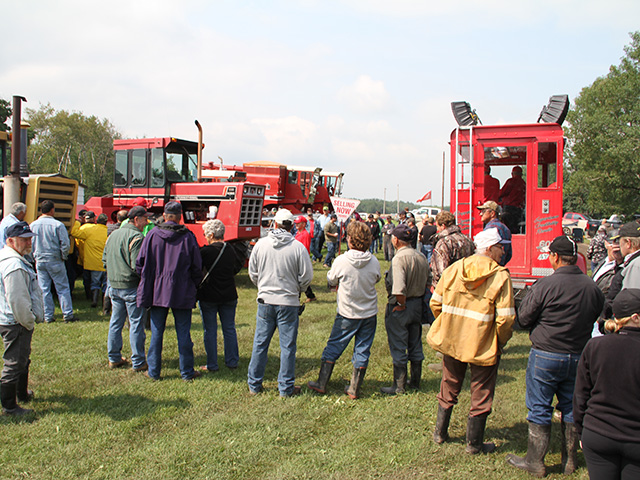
(170, 267)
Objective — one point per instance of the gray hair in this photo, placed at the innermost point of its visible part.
(215, 228)
(18, 208)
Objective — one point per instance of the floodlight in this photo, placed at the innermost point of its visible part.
(556, 110)
(464, 115)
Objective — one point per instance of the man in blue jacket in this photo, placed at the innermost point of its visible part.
(170, 269)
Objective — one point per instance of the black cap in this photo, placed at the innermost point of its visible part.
(89, 214)
(173, 208)
(626, 303)
(137, 212)
(631, 229)
(613, 235)
(564, 245)
(402, 232)
(20, 229)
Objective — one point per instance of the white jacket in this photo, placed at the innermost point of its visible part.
(356, 274)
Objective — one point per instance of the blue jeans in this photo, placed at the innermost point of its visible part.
(550, 374)
(182, 317)
(315, 251)
(98, 280)
(427, 250)
(344, 329)
(332, 248)
(268, 318)
(123, 303)
(227, 312)
(55, 272)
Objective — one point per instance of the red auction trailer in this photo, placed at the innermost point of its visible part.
(537, 148)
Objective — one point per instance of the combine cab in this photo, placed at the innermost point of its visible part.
(165, 169)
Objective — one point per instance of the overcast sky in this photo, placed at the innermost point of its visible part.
(359, 86)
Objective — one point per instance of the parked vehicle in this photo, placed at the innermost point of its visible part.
(580, 220)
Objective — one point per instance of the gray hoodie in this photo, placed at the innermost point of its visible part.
(356, 274)
(280, 268)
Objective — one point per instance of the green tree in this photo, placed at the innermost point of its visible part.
(74, 145)
(5, 114)
(603, 161)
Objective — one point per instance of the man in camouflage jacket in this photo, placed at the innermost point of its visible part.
(450, 245)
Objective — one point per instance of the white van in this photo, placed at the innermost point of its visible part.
(422, 211)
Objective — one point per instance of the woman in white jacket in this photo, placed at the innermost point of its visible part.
(355, 274)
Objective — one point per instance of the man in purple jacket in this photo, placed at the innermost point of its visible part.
(170, 269)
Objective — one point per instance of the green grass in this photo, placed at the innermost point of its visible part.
(92, 422)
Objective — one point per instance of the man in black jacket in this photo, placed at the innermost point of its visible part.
(559, 311)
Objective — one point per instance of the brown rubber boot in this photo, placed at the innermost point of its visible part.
(357, 377)
(441, 434)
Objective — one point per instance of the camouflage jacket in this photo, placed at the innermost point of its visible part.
(450, 245)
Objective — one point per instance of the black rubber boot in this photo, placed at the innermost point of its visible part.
(357, 377)
(475, 436)
(533, 462)
(95, 295)
(441, 434)
(106, 305)
(8, 399)
(22, 389)
(416, 375)
(569, 448)
(323, 378)
(399, 381)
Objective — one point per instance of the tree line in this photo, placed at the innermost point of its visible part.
(602, 154)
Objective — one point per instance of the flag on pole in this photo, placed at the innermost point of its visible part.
(427, 196)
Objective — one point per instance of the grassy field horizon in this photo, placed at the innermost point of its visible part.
(93, 422)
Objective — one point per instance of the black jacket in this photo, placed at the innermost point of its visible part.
(560, 311)
(220, 286)
(607, 390)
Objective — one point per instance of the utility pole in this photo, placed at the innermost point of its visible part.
(384, 201)
(12, 181)
(442, 198)
(398, 197)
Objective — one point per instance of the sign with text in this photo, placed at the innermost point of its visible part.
(343, 207)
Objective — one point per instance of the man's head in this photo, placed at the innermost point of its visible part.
(516, 171)
(488, 211)
(122, 215)
(90, 217)
(411, 221)
(301, 222)
(629, 238)
(444, 220)
(140, 202)
(81, 215)
(102, 219)
(284, 219)
(172, 212)
(402, 215)
(401, 235)
(359, 236)
(333, 218)
(612, 244)
(489, 243)
(18, 210)
(370, 217)
(563, 251)
(19, 237)
(138, 217)
(325, 210)
(47, 207)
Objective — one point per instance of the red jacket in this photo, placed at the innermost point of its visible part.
(304, 238)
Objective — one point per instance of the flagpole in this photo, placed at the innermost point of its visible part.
(442, 206)
(384, 202)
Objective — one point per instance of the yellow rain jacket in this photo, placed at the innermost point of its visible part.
(94, 237)
(474, 309)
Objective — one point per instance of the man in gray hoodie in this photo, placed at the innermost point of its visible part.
(281, 269)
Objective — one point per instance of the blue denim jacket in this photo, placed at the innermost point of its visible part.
(51, 243)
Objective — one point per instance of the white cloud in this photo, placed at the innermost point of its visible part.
(286, 138)
(366, 95)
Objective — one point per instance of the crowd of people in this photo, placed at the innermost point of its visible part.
(583, 331)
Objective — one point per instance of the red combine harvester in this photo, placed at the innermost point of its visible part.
(536, 148)
(164, 169)
(290, 186)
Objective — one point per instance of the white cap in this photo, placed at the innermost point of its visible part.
(487, 238)
(283, 215)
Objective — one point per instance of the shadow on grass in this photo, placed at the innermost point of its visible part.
(119, 407)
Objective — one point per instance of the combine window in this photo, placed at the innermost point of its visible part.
(121, 176)
(157, 167)
(138, 168)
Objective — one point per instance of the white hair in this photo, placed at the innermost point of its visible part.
(18, 208)
(215, 228)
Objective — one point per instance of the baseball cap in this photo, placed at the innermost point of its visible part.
(489, 205)
(137, 212)
(20, 229)
(626, 303)
(89, 214)
(140, 202)
(631, 229)
(613, 235)
(283, 215)
(300, 219)
(563, 245)
(325, 208)
(173, 208)
(488, 238)
(402, 232)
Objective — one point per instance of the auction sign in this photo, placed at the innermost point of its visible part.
(343, 207)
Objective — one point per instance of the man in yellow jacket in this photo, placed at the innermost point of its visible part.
(474, 309)
(94, 236)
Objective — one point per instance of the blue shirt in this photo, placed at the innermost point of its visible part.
(51, 243)
(505, 234)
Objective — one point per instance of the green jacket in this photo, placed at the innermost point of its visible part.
(120, 254)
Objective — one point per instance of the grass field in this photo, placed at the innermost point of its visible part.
(92, 422)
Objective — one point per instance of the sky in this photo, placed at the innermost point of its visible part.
(362, 87)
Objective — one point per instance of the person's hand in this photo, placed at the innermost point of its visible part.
(399, 308)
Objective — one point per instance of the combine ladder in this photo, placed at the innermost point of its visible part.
(464, 183)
